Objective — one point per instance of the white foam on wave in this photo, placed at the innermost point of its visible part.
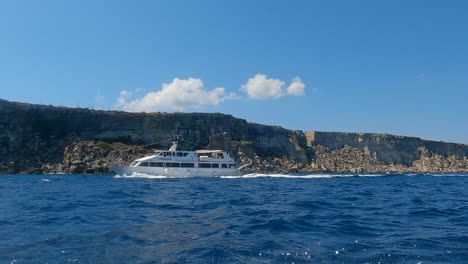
(140, 175)
(288, 176)
(371, 175)
(310, 176)
(446, 175)
(45, 180)
(435, 174)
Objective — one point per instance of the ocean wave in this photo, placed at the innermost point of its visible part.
(309, 176)
(354, 218)
(288, 176)
(446, 175)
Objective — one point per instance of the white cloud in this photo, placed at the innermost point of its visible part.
(178, 95)
(122, 100)
(184, 94)
(296, 87)
(260, 87)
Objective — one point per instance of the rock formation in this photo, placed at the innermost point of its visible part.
(47, 139)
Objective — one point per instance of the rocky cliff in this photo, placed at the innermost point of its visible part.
(47, 139)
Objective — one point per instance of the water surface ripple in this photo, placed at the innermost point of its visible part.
(250, 219)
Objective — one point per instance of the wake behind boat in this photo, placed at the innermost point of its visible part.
(175, 163)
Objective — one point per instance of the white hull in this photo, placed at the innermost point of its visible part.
(174, 172)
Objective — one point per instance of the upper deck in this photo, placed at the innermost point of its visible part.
(189, 156)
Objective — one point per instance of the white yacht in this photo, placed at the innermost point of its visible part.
(175, 163)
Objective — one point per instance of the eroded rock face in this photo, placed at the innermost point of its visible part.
(390, 149)
(247, 154)
(95, 156)
(46, 139)
(432, 162)
(345, 159)
(350, 159)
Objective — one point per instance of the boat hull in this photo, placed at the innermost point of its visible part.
(174, 172)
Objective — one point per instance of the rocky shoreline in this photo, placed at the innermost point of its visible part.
(36, 139)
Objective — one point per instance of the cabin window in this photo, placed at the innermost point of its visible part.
(179, 154)
(224, 166)
(215, 165)
(231, 166)
(144, 164)
(185, 154)
(173, 165)
(156, 164)
(204, 165)
(187, 165)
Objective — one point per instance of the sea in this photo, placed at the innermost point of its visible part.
(255, 218)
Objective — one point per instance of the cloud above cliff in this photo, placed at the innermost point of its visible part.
(189, 94)
(260, 87)
(179, 95)
(296, 87)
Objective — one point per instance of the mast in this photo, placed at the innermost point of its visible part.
(176, 136)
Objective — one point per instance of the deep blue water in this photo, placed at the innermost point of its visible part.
(255, 219)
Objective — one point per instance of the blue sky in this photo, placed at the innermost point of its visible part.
(397, 67)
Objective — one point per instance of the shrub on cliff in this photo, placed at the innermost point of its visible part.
(105, 146)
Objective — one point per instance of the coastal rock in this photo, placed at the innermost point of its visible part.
(93, 157)
(349, 159)
(431, 162)
(345, 159)
(6, 170)
(47, 139)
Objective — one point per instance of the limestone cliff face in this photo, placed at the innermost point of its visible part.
(390, 149)
(35, 135)
(46, 139)
(368, 152)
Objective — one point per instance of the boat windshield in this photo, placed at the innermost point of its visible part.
(214, 155)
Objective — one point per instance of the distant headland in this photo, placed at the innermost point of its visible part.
(36, 139)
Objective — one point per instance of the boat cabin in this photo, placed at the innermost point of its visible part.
(187, 159)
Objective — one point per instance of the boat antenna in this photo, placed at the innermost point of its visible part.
(176, 130)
